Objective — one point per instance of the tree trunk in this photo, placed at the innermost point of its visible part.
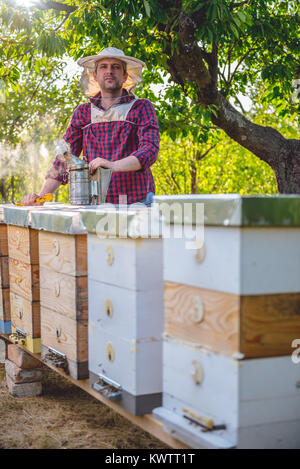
(3, 190)
(194, 178)
(283, 155)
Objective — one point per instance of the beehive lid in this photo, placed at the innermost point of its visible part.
(230, 209)
(66, 220)
(122, 221)
(21, 216)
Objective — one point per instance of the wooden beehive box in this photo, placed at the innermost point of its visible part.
(63, 289)
(5, 322)
(235, 296)
(23, 276)
(125, 309)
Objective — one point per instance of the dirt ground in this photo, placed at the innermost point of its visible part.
(65, 417)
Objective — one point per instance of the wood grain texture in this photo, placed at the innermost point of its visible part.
(64, 334)
(23, 244)
(64, 294)
(25, 315)
(269, 324)
(3, 240)
(255, 325)
(4, 277)
(4, 304)
(219, 329)
(66, 254)
(24, 279)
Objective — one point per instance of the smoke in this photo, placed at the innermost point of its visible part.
(23, 168)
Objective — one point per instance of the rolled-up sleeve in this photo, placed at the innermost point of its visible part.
(73, 136)
(148, 136)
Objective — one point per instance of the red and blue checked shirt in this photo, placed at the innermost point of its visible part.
(138, 135)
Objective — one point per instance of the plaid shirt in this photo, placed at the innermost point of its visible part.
(138, 135)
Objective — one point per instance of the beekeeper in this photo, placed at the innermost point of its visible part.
(115, 130)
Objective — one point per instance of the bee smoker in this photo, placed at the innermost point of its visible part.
(86, 189)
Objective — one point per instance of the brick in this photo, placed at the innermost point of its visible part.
(19, 375)
(23, 389)
(21, 358)
(2, 351)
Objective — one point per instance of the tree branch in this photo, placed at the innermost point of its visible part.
(238, 64)
(50, 5)
(174, 180)
(239, 4)
(62, 22)
(200, 156)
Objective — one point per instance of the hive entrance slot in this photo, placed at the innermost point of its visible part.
(207, 425)
(18, 337)
(57, 359)
(108, 388)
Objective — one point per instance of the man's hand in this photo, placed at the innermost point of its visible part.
(31, 200)
(93, 165)
(49, 187)
(130, 163)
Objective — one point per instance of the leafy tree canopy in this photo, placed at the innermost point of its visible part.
(204, 52)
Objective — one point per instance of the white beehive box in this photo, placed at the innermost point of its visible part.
(241, 395)
(233, 298)
(125, 309)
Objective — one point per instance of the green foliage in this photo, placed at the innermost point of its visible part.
(257, 47)
(228, 168)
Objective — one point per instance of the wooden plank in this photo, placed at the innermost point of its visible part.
(145, 422)
(24, 279)
(269, 324)
(23, 244)
(4, 304)
(64, 294)
(66, 254)
(64, 334)
(4, 277)
(3, 240)
(25, 315)
(205, 317)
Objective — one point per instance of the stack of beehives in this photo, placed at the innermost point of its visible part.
(125, 308)
(5, 323)
(23, 277)
(63, 290)
(232, 311)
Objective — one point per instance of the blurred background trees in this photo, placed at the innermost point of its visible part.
(246, 52)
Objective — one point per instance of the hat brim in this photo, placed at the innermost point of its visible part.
(91, 87)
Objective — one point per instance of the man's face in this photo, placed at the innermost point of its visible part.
(110, 74)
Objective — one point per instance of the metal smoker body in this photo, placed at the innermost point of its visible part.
(86, 189)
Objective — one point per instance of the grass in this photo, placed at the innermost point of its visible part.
(65, 417)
